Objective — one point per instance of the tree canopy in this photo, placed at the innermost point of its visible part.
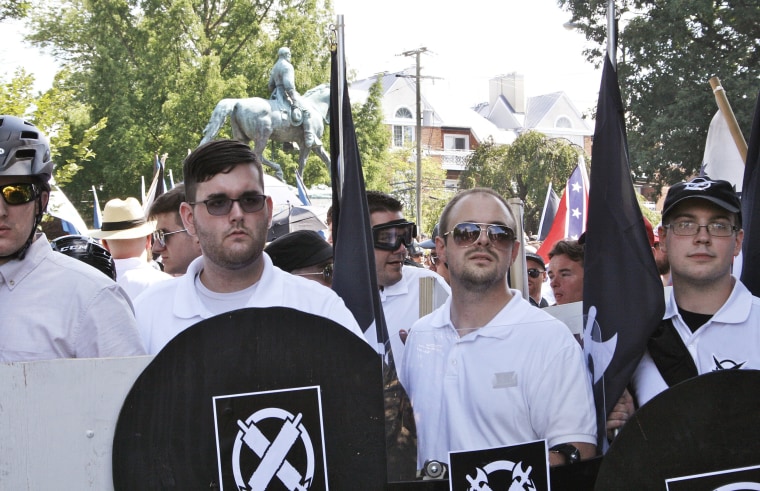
(522, 170)
(667, 52)
(153, 70)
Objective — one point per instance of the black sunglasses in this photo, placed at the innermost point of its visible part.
(160, 236)
(389, 236)
(534, 273)
(327, 273)
(249, 203)
(19, 193)
(466, 234)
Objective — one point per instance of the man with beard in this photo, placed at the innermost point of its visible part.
(228, 211)
(487, 368)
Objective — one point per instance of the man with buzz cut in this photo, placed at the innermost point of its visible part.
(228, 210)
(487, 368)
(711, 321)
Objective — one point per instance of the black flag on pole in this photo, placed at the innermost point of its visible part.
(355, 277)
(622, 290)
(750, 219)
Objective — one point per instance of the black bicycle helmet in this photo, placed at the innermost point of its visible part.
(87, 250)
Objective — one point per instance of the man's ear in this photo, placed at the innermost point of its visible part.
(186, 213)
(44, 199)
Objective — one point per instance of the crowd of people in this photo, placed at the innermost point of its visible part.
(486, 368)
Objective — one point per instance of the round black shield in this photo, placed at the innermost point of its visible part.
(255, 399)
(707, 424)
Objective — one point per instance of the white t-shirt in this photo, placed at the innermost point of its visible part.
(519, 378)
(134, 274)
(168, 308)
(729, 340)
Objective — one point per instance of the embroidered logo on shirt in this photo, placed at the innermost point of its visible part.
(727, 364)
(502, 380)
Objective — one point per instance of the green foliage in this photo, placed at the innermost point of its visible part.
(13, 9)
(153, 70)
(667, 53)
(522, 170)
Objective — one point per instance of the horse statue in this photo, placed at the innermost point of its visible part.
(257, 119)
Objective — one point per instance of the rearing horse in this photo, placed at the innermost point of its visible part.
(258, 120)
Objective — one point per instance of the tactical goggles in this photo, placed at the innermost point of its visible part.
(19, 193)
(389, 236)
(466, 234)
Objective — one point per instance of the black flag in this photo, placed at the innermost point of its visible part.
(750, 219)
(355, 277)
(621, 283)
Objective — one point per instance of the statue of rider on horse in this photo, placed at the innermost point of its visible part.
(283, 87)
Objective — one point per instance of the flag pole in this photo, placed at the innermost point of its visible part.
(611, 34)
(728, 115)
(341, 83)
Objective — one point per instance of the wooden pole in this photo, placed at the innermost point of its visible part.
(728, 114)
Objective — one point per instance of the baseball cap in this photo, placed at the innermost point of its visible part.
(718, 192)
(430, 243)
(535, 257)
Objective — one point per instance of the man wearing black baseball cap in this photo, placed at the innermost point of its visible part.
(303, 253)
(712, 322)
(536, 277)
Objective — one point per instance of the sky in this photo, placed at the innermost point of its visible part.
(468, 43)
(471, 42)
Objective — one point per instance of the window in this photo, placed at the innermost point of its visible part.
(456, 142)
(563, 122)
(404, 113)
(402, 135)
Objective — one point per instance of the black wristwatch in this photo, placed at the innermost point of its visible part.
(571, 452)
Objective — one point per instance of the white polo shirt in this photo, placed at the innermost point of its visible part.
(401, 305)
(168, 308)
(135, 274)
(729, 340)
(519, 378)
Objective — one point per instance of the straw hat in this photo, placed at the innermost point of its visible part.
(124, 219)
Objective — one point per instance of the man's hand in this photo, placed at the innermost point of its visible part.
(620, 414)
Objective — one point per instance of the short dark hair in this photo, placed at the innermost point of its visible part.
(168, 202)
(443, 224)
(216, 157)
(570, 248)
(379, 201)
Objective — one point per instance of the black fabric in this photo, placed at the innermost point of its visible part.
(693, 320)
(670, 355)
(299, 249)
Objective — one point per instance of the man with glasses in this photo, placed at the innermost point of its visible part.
(711, 322)
(399, 284)
(487, 368)
(434, 263)
(53, 306)
(536, 278)
(228, 210)
(171, 241)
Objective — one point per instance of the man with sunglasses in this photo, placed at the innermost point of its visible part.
(536, 278)
(176, 247)
(487, 368)
(711, 321)
(53, 306)
(229, 212)
(399, 284)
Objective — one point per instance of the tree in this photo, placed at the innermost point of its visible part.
(13, 9)
(522, 170)
(667, 53)
(156, 69)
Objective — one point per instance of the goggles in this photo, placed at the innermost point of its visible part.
(160, 236)
(389, 236)
(327, 273)
(249, 203)
(19, 193)
(466, 234)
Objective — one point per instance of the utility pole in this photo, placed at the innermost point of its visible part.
(417, 52)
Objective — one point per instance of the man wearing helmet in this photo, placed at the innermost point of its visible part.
(53, 306)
